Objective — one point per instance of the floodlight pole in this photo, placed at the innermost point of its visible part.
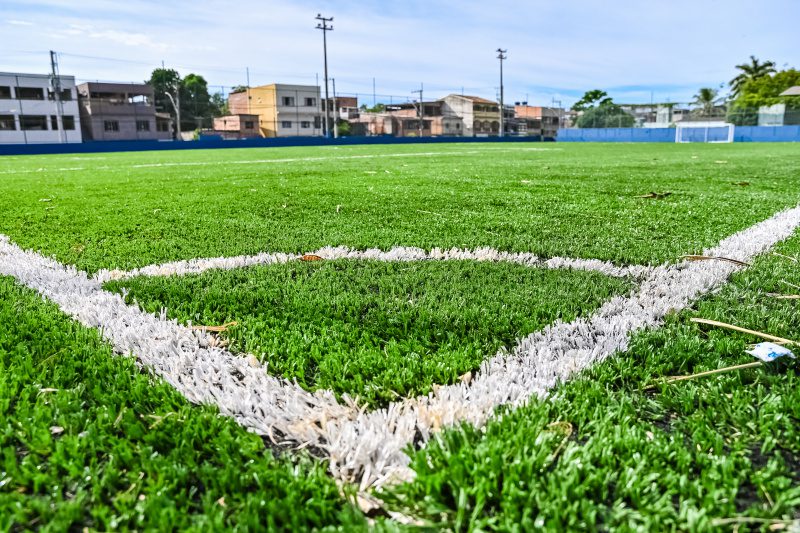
(177, 107)
(323, 25)
(501, 55)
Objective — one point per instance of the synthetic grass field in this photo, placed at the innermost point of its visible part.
(90, 439)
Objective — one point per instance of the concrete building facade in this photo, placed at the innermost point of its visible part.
(283, 110)
(31, 112)
(435, 123)
(537, 120)
(480, 117)
(237, 126)
(121, 112)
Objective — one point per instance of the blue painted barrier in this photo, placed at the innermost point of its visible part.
(740, 134)
(216, 142)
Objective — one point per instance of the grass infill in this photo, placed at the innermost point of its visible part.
(375, 330)
(603, 453)
(87, 440)
(126, 210)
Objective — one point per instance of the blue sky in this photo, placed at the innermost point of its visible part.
(635, 50)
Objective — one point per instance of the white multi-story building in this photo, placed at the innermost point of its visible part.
(31, 112)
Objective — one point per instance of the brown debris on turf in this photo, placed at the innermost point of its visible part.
(725, 325)
(655, 195)
(310, 257)
(741, 183)
(217, 329)
(714, 258)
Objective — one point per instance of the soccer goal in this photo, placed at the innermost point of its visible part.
(704, 132)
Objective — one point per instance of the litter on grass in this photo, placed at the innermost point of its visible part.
(769, 351)
(655, 195)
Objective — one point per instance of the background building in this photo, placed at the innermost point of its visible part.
(121, 112)
(31, 112)
(237, 126)
(283, 110)
(537, 120)
(481, 117)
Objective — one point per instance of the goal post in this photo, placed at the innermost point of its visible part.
(704, 132)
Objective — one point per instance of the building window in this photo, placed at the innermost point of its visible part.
(65, 95)
(286, 124)
(33, 122)
(162, 125)
(311, 102)
(68, 122)
(142, 125)
(53, 122)
(7, 122)
(5, 92)
(249, 124)
(305, 124)
(317, 122)
(111, 125)
(30, 93)
(288, 101)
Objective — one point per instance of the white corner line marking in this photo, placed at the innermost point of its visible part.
(368, 447)
(397, 253)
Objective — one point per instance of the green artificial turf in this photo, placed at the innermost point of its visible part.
(87, 440)
(578, 200)
(372, 329)
(602, 454)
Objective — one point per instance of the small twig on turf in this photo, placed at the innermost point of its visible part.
(744, 330)
(781, 524)
(217, 329)
(655, 195)
(783, 296)
(712, 258)
(733, 368)
(790, 258)
(792, 285)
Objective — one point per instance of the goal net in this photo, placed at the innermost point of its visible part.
(704, 132)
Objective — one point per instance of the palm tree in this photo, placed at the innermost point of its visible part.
(751, 71)
(706, 99)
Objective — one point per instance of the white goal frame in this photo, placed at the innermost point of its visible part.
(705, 126)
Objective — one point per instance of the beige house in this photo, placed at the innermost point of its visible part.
(237, 126)
(480, 117)
(282, 110)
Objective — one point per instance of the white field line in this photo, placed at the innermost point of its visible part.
(367, 447)
(397, 253)
(280, 160)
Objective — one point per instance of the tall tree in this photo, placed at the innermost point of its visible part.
(765, 91)
(164, 80)
(750, 71)
(706, 100)
(590, 98)
(196, 105)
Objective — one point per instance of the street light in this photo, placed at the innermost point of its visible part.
(501, 55)
(323, 25)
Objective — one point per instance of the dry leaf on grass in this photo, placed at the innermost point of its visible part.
(217, 329)
(655, 195)
(310, 257)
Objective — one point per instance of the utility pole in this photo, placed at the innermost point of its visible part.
(323, 25)
(55, 83)
(177, 107)
(335, 119)
(501, 55)
(420, 109)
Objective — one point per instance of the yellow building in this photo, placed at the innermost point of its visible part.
(283, 110)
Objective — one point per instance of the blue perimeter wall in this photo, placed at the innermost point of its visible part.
(216, 142)
(741, 134)
(667, 135)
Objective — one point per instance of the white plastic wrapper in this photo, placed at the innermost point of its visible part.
(768, 351)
